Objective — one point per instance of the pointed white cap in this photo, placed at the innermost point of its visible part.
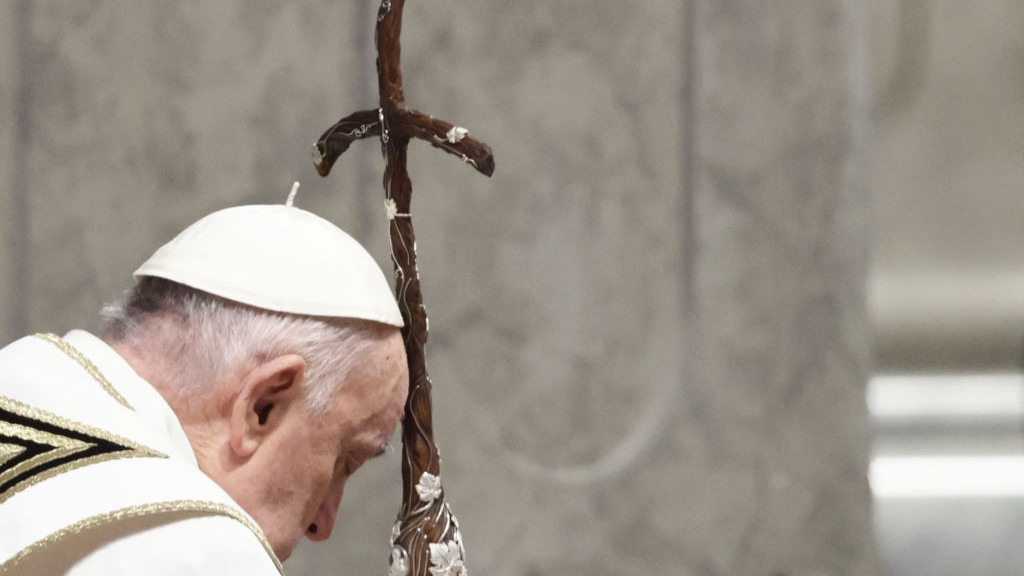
(278, 258)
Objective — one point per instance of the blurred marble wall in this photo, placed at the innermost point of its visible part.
(649, 338)
(947, 288)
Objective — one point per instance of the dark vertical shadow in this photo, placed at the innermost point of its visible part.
(906, 81)
(20, 232)
(689, 159)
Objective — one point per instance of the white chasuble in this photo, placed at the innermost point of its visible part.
(97, 475)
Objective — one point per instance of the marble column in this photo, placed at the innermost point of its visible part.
(781, 233)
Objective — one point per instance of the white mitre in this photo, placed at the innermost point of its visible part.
(278, 258)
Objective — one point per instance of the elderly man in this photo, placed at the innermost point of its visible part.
(255, 365)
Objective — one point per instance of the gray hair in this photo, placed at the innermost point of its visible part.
(200, 339)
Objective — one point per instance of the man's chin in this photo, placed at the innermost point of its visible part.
(283, 550)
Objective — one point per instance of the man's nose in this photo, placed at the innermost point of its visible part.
(323, 521)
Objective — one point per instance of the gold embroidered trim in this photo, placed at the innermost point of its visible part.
(8, 452)
(143, 510)
(62, 446)
(84, 362)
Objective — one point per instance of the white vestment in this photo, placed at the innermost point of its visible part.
(97, 476)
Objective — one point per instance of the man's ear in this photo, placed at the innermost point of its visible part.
(266, 394)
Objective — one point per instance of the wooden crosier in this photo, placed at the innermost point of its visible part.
(426, 540)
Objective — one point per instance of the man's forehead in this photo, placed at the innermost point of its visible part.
(375, 397)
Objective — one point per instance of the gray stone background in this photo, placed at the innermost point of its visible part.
(650, 329)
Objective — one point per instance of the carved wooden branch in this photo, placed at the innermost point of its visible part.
(425, 540)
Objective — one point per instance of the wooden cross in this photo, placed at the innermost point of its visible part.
(426, 534)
